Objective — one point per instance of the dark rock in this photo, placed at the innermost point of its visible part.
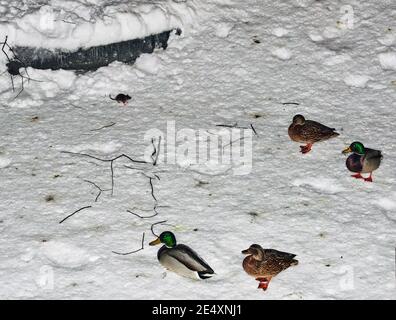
(92, 58)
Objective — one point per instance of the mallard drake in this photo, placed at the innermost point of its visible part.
(362, 160)
(263, 264)
(180, 258)
(309, 132)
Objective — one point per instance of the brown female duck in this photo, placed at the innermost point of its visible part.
(309, 132)
(263, 264)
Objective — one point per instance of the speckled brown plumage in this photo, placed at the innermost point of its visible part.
(263, 264)
(309, 132)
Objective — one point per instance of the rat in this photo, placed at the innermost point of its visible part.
(121, 98)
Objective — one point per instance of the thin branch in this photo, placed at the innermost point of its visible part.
(99, 188)
(147, 217)
(106, 126)
(74, 213)
(108, 160)
(152, 189)
(141, 217)
(126, 253)
(112, 177)
(294, 103)
(227, 125)
(156, 151)
(235, 125)
(151, 183)
(143, 173)
(154, 224)
(230, 144)
(65, 21)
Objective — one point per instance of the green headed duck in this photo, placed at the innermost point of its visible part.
(362, 160)
(180, 258)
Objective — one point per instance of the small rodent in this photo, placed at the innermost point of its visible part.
(121, 98)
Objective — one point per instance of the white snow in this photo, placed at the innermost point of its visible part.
(315, 37)
(76, 24)
(319, 184)
(388, 40)
(282, 53)
(337, 59)
(148, 63)
(64, 255)
(386, 203)
(222, 30)
(342, 229)
(280, 32)
(4, 161)
(109, 147)
(356, 80)
(388, 60)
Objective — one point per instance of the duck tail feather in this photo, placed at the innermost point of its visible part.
(205, 274)
(294, 262)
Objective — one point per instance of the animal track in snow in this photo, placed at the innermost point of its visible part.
(4, 161)
(315, 37)
(105, 148)
(322, 185)
(386, 204)
(388, 207)
(337, 59)
(387, 40)
(66, 255)
(387, 60)
(279, 32)
(282, 53)
(148, 63)
(223, 29)
(354, 80)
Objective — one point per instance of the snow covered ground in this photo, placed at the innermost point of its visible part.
(238, 63)
(73, 24)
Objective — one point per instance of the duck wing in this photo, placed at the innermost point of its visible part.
(275, 261)
(373, 154)
(316, 131)
(372, 159)
(275, 254)
(190, 259)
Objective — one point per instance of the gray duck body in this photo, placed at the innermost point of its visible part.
(184, 261)
(364, 163)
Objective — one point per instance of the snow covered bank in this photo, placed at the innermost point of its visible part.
(72, 24)
(91, 58)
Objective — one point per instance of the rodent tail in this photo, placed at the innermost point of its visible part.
(111, 97)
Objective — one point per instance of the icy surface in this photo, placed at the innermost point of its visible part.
(222, 72)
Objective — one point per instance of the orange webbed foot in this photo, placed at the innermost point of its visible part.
(306, 149)
(264, 282)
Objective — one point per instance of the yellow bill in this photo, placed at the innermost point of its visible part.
(347, 150)
(155, 242)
